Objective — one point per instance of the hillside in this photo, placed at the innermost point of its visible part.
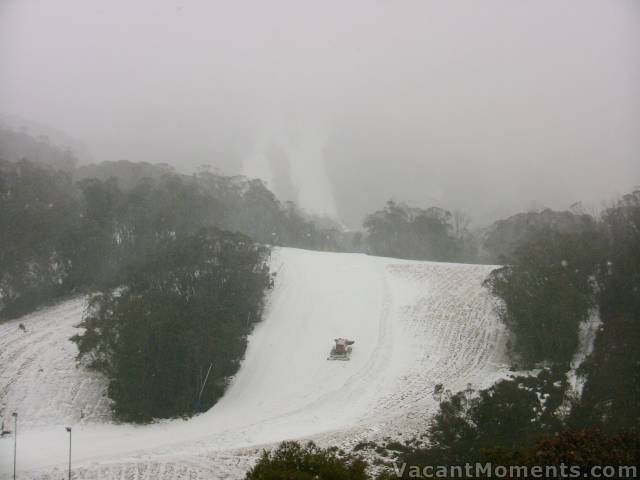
(416, 325)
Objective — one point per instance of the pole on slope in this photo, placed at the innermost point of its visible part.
(69, 430)
(205, 381)
(15, 441)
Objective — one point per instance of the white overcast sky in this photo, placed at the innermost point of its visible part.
(487, 106)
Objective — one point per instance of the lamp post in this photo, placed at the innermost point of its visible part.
(15, 441)
(69, 430)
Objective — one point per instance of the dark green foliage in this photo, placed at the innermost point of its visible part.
(556, 275)
(505, 417)
(546, 292)
(503, 237)
(585, 448)
(611, 397)
(127, 174)
(59, 237)
(118, 226)
(184, 306)
(38, 212)
(403, 232)
(578, 450)
(232, 203)
(292, 461)
(554, 280)
(251, 208)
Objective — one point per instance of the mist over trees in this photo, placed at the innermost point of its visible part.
(69, 231)
(173, 290)
(547, 290)
(238, 203)
(105, 228)
(473, 117)
(505, 235)
(38, 215)
(561, 270)
(554, 281)
(433, 234)
(557, 280)
(17, 145)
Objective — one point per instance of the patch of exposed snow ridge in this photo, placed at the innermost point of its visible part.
(587, 336)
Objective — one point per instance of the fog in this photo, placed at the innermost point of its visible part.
(491, 107)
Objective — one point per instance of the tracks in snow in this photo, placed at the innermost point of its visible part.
(38, 374)
(416, 324)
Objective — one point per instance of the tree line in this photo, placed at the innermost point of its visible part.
(434, 233)
(554, 281)
(175, 266)
(557, 276)
(61, 234)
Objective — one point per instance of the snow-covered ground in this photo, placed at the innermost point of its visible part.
(416, 325)
(586, 342)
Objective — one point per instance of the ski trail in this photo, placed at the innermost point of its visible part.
(38, 375)
(416, 324)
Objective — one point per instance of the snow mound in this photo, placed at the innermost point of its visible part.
(416, 325)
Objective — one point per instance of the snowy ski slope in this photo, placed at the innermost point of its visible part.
(416, 324)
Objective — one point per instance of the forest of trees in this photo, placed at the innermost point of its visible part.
(38, 218)
(184, 307)
(401, 231)
(547, 290)
(560, 269)
(503, 236)
(173, 290)
(556, 275)
(61, 236)
(574, 449)
(552, 283)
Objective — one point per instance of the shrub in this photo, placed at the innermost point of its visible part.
(182, 308)
(293, 461)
